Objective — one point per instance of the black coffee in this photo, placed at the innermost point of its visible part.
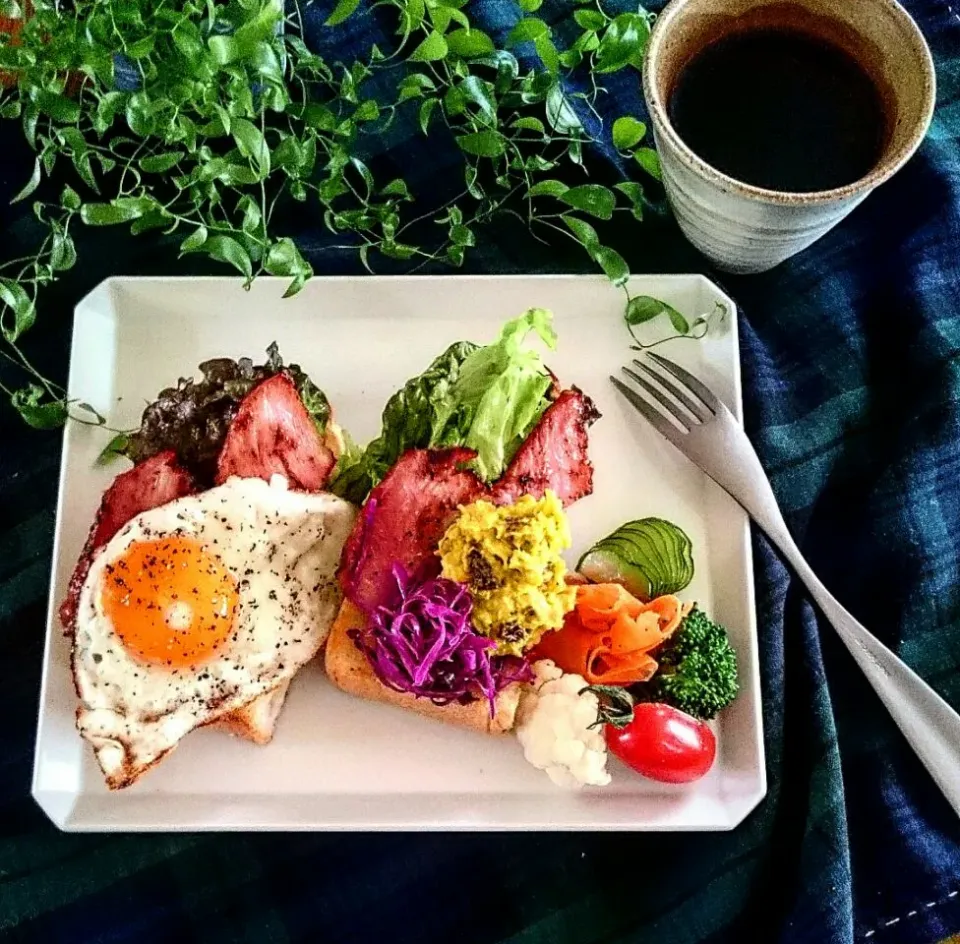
(780, 109)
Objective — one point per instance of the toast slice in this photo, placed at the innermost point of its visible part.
(350, 671)
(256, 720)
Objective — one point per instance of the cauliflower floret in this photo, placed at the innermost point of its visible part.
(554, 728)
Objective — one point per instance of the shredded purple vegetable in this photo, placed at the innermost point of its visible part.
(422, 641)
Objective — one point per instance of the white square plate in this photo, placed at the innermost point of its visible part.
(340, 763)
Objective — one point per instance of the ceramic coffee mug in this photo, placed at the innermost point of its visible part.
(743, 228)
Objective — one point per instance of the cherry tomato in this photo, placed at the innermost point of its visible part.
(664, 744)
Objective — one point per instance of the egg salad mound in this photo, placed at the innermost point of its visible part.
(509, 557)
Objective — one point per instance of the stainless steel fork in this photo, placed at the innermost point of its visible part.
(705, 431)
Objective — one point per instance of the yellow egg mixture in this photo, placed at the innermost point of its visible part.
(509, 556)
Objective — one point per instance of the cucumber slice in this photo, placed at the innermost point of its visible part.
(650, 557)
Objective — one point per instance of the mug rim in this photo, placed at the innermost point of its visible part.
(882, 172)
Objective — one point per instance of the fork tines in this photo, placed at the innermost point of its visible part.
(688, 402)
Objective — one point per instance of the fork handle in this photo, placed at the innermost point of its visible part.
(930, 725)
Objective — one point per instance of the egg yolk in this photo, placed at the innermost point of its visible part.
(170, 601)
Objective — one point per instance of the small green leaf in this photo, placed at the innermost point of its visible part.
(547, 53)
(632, 190)
(195, 240)
(584, 232)
(396, 188)
(527, 30)
(530, 6)
(482, 143)
(415, 85)
(227, 249)
(469, 44)
(590, 19)
(114, 449)
(412, 13)
(283, 258)
(643, 308)
(470, 177)
(548, 188)
(649, 160)
(31, 115)
(628, 132)
(613, 264)
(297, 283)
(251, 144)
(426, 110)
(634, 193)
(63, 254)
(30, 185)
(342, 11)
(85, 170)
(529, 124)
(480, 93)
(398, 250)
(367, 111)
(252, 216)
(680, 324)
(560, 113)
(623, 42)
(15, 297)
(591, 198)
(155, 219)
(159, 163)
(142, 47)
(462, 236)
(11, 109)
(432, 49)
(28, 403)
(57, 107)
(107, 214)
(70, 199)
(364, 172)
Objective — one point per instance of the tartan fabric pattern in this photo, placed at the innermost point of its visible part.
(852, 394)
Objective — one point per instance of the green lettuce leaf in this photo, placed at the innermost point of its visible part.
(406, 425)
(485, 398)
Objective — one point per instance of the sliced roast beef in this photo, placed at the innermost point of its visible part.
(404, 519)
(152, 483)
(554, 455)
(273, 434)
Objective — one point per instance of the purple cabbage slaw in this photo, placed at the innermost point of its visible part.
(422, 641)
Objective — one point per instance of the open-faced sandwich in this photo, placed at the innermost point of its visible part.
(458, 603)
(208, 577)
(454, 566)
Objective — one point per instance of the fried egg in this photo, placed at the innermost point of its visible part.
(196, 608)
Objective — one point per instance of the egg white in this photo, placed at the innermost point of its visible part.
(282, 547)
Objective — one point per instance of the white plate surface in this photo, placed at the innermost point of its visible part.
(340, 763)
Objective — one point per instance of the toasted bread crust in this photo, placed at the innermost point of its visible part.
(350, 671)
(256, 720)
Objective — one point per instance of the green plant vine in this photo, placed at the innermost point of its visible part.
(202, 119)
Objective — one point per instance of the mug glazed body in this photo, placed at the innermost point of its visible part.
(745, 228)
(738, 231)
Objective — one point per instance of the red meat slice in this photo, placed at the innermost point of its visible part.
(272, 434)
(150, 484)
(554, 455)
(403, 520)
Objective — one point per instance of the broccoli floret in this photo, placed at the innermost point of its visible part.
(698, 668)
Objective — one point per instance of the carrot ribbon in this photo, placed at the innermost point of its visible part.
(608, 636)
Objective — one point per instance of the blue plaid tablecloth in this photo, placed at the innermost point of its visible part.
(851, 361)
